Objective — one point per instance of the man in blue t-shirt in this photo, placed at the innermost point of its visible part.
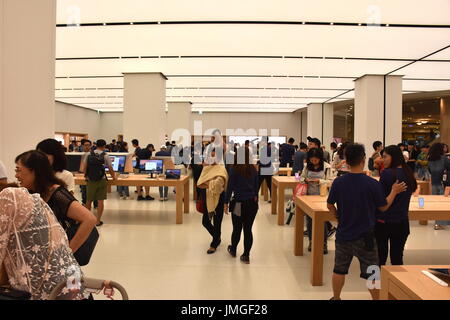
(358, 197)
(287, 151)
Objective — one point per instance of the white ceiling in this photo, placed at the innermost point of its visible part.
(247, 66)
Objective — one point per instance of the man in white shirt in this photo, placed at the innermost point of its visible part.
(3, 176)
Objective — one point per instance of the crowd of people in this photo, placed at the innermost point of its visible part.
(229, 178)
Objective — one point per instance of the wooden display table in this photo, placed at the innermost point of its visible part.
(436, 208)
(279, 186)
(143, 180)
(409, 283)
(264, 187)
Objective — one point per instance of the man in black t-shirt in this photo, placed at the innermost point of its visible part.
(287, 152)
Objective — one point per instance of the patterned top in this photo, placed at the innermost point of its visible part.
(33, 246)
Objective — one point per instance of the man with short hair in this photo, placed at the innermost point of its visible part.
(334, 149)
(423, 171)
(163, 191)
(86, 146)
(73, 146)
(413, 154)
(97, 183)
(313, 143)
(375, 159)
(358, 197)
(300, 158)
(142, 154)
(265, 164)
(287, 152)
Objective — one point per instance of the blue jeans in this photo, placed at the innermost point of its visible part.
(123, 191)
(163, 192)
(438, 189)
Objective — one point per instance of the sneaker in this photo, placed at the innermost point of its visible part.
(162, 199)
(245, 259)
(166, 199)
(438, 227)
(140, 198)
(149, 198)
(211, 250)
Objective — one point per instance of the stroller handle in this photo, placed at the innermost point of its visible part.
(95, 284)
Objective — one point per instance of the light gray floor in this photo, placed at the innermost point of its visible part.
(142, 248)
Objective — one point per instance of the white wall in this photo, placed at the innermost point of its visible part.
(288, 124)
(73, 119)
(111, 125)
(108, 125)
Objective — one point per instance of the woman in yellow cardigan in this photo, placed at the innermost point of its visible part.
(212, 184)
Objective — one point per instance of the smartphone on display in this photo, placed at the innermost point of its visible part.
(421, 203)
(443, 272)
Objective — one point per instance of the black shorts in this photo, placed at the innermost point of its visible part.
(364, 248)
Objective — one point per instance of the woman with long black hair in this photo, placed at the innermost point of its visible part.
(242, 195)
(392, 227)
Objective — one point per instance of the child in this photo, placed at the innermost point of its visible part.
(358, 197)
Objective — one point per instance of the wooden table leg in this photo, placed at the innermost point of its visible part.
(274, 197)
(265, 190)
(298, 233)
(179, 200)
(194, 189)
(426, 190)
(280, 205)
(186, 196)
(317, 252)
(384, 292)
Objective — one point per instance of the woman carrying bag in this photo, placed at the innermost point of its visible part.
(211, 184)
(316, 172)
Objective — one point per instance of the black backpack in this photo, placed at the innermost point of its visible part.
(95, 166)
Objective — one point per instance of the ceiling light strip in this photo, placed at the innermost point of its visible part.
(237, 22)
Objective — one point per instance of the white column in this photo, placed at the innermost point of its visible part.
(27, 76)
(378, 110)
(320, 122)
(144, 114)
(179, 116)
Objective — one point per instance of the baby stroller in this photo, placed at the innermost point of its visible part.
(94, 286)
